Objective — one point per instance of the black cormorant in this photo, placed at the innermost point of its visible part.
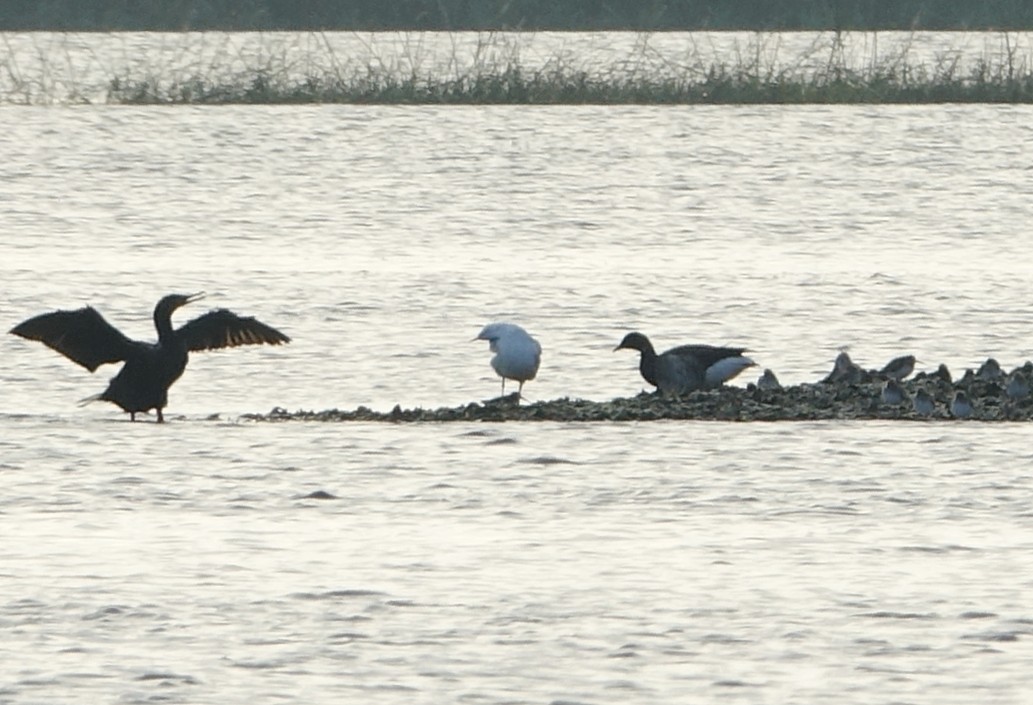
(686, 368)
(84, 337)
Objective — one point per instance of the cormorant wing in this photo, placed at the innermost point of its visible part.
(220, 328)
(83, 336)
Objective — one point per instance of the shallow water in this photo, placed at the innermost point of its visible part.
(595, 563)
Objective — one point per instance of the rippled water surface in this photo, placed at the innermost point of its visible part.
(510, 563)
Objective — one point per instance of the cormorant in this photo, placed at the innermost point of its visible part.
(84, 337)
(686, 368)
(517, 354)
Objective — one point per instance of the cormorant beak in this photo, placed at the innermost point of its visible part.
(191, 298)
(619, 347)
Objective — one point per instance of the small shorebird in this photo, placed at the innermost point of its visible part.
(961, 407)
(686, 368)
(768, 380)
(1017, 386)
(517, 354)
(892, 393)
(899, 367)
(923, 403)
(990, 370)
(845, 371)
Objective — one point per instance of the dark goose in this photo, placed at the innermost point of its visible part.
(686, 368)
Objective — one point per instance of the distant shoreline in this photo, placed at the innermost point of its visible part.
(515, 15)
(546, 68)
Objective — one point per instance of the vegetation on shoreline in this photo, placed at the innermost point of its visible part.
(827, 73)
(470, 68)
(721, 85)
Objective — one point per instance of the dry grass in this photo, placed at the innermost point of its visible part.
(826, 73)
(514, 68)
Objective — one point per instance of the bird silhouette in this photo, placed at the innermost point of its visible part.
(149, 369)
(686, 368)
(768, 380)
(960, 406)
(990, 370)
(898, 368)
(892, 393)
(1018, 386)
(923, 403)
(845, 371)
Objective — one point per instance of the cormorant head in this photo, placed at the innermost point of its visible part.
(170, 303)
(634, 341)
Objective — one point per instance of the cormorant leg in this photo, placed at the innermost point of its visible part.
(161, 419)
(132, 416)
(503, 386)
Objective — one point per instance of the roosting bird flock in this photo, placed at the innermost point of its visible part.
(150, 369)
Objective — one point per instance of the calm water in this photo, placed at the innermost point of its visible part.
(513, 563)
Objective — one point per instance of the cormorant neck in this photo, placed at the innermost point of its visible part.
(163, 322)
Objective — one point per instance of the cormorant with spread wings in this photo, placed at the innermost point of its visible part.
(84, 337)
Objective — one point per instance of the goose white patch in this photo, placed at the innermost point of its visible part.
(725, 369)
